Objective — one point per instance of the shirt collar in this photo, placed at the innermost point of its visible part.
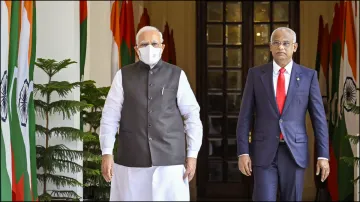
(288, 67)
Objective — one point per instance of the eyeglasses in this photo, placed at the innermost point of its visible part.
(155, 45)
(286, 44)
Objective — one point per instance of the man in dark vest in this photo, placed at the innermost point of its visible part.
(154, 109)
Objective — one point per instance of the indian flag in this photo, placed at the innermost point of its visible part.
(348, 83)
(115, 29)
(22, 129)
(6, 169)
(343, 94)
(338, 182)
(357, 24)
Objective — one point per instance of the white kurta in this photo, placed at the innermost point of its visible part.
(157, 182)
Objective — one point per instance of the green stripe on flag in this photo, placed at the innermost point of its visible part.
(83, 39)
(21, 184)
(336, 57)
(5, 178)
(13, 54)
(345, 172)
(32, 134)
(14, 40)
(127, 54)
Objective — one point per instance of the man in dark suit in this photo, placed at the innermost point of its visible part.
(280, 93)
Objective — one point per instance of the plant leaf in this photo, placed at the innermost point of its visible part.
(353, 138)
(41, 108)
(64, 194)
(68, 133)
(51, 66)
(58, 180)
(350, 161)
(41, 129)
(62, 88)
(67, 107)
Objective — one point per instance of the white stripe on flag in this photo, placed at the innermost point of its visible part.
(5, 128)
(114, 48)
(22, 90)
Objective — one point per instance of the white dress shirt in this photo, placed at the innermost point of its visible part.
(287, 74)
(187, 104)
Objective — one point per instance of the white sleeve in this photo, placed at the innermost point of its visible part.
(111, 115)
(190, 110)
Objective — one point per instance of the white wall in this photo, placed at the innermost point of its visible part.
(98, 61)
(58, 38)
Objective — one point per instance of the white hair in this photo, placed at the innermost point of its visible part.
(148, 28)
(286, 29)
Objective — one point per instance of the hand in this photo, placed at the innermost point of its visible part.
(107, 167)
(244, 164)
(190, 168)
(323, 164)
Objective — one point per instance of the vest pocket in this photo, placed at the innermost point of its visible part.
(169, 98)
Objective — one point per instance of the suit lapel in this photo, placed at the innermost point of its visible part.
(267, 80)
(294, 83)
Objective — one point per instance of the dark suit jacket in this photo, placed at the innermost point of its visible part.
(303, 95)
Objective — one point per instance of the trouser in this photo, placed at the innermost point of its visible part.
(282, 172)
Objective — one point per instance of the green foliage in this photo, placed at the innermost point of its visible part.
(95, 187)
(58, 158)
(354, 139)
(354, 108)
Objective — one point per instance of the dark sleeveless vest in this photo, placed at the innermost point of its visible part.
(151, 129)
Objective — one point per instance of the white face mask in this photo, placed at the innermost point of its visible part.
(150, 55)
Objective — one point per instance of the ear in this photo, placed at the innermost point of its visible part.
(136, 51)
(295, 47)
